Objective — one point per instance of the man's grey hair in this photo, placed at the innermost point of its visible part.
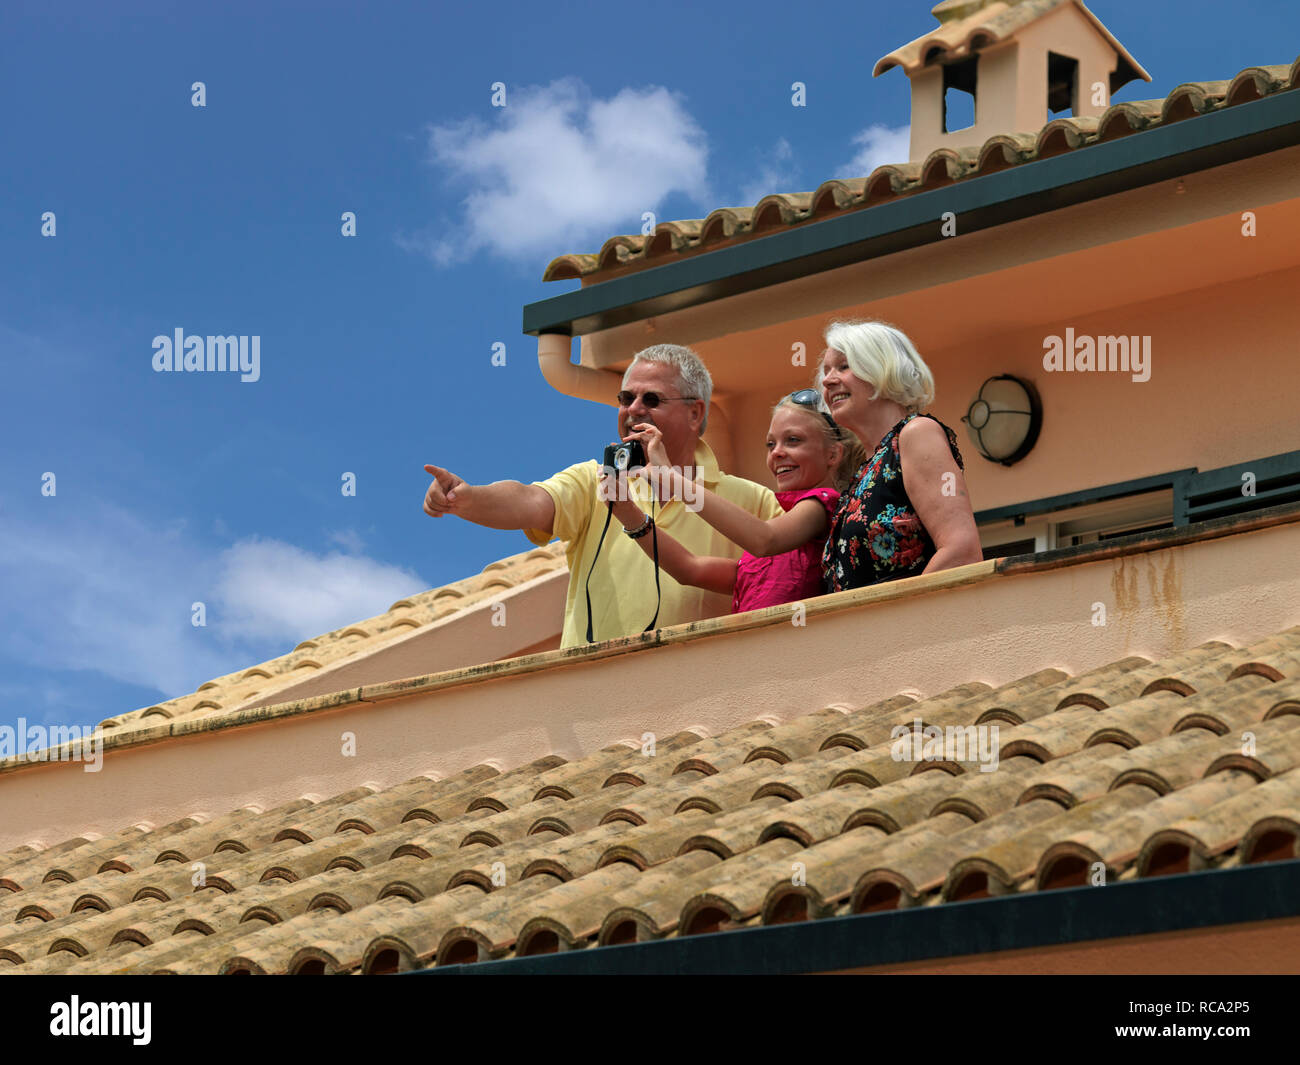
(693, 378)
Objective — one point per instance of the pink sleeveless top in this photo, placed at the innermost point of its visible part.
(788, 577)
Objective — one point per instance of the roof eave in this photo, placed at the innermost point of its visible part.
(1027, 921)
(1143, 158)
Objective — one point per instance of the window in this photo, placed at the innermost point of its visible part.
(1087, 523)
(1127, 508)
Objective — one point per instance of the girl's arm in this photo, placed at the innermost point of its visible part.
(805, 521)
(748, 531)
(711, 574)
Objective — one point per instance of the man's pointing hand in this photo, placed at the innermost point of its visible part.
(442, 496)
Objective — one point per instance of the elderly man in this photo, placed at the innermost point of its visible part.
(668, 386)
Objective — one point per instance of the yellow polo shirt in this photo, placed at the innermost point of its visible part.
(623, 583)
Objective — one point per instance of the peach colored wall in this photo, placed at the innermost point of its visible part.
(711, 676)
(1221, 391)
(1067, 32)
(927, 112)
(1224, 374)
(996, 103)
(1155, 261)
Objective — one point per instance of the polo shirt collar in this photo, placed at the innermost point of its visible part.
(707, 462)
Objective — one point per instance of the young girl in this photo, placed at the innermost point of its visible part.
(812, 459)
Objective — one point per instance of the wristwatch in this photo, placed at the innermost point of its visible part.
(642, 529)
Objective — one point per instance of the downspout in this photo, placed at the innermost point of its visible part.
(718, 437)
(570, 379)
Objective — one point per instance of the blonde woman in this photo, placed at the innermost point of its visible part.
(907, 510)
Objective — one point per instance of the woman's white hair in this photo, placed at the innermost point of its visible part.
(693, 377)
(886, 359)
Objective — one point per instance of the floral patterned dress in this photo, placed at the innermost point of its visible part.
(875, 534)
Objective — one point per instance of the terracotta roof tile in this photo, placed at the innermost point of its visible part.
(648, 845)
(570, 914)
(909, 801)
(648, 909)
(443, 805)
(968, 25)
(67, 862)
(778, 211)
(919, 872)
(411, 937)
(732, 893)
(981, 795)
(739, 830)
(829, 768)
(1141, 766)
(1116, 842)
(1192, 842)
(1011, 858)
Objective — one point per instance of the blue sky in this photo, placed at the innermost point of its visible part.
(375, 350)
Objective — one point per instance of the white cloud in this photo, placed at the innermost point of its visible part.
(271, 590)
(94, 586)
(557, 169)
(348, 539)
(776, 173)
(877, 145)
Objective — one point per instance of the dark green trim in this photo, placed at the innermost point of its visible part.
(1118, 490)
(1156, 540)
(1217, 493)
(1030, 920)
(1089, 173)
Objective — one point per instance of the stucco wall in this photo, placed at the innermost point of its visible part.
(1225, 368)
(943, 629)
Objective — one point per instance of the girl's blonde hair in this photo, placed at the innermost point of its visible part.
(852, 453)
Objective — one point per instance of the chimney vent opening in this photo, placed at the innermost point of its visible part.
(1062, 85)
(959, 94)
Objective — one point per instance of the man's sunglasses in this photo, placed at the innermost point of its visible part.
(650, 399)
(808, 397)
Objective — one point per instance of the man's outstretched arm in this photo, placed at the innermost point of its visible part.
(500, 505)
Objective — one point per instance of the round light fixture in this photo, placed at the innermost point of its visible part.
(1004, 419)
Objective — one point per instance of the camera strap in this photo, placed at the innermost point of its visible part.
(654, 541)
(609, 516)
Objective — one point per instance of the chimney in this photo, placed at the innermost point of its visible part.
(1012, 64)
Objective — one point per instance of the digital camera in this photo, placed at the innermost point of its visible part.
(624, 457)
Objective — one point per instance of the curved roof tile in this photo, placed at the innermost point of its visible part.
(1129, 766)
(778, 211)
(969, 25)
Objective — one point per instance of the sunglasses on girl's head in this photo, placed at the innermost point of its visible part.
(808, 397)
(650, 399)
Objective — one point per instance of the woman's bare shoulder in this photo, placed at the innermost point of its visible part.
(923, 431)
